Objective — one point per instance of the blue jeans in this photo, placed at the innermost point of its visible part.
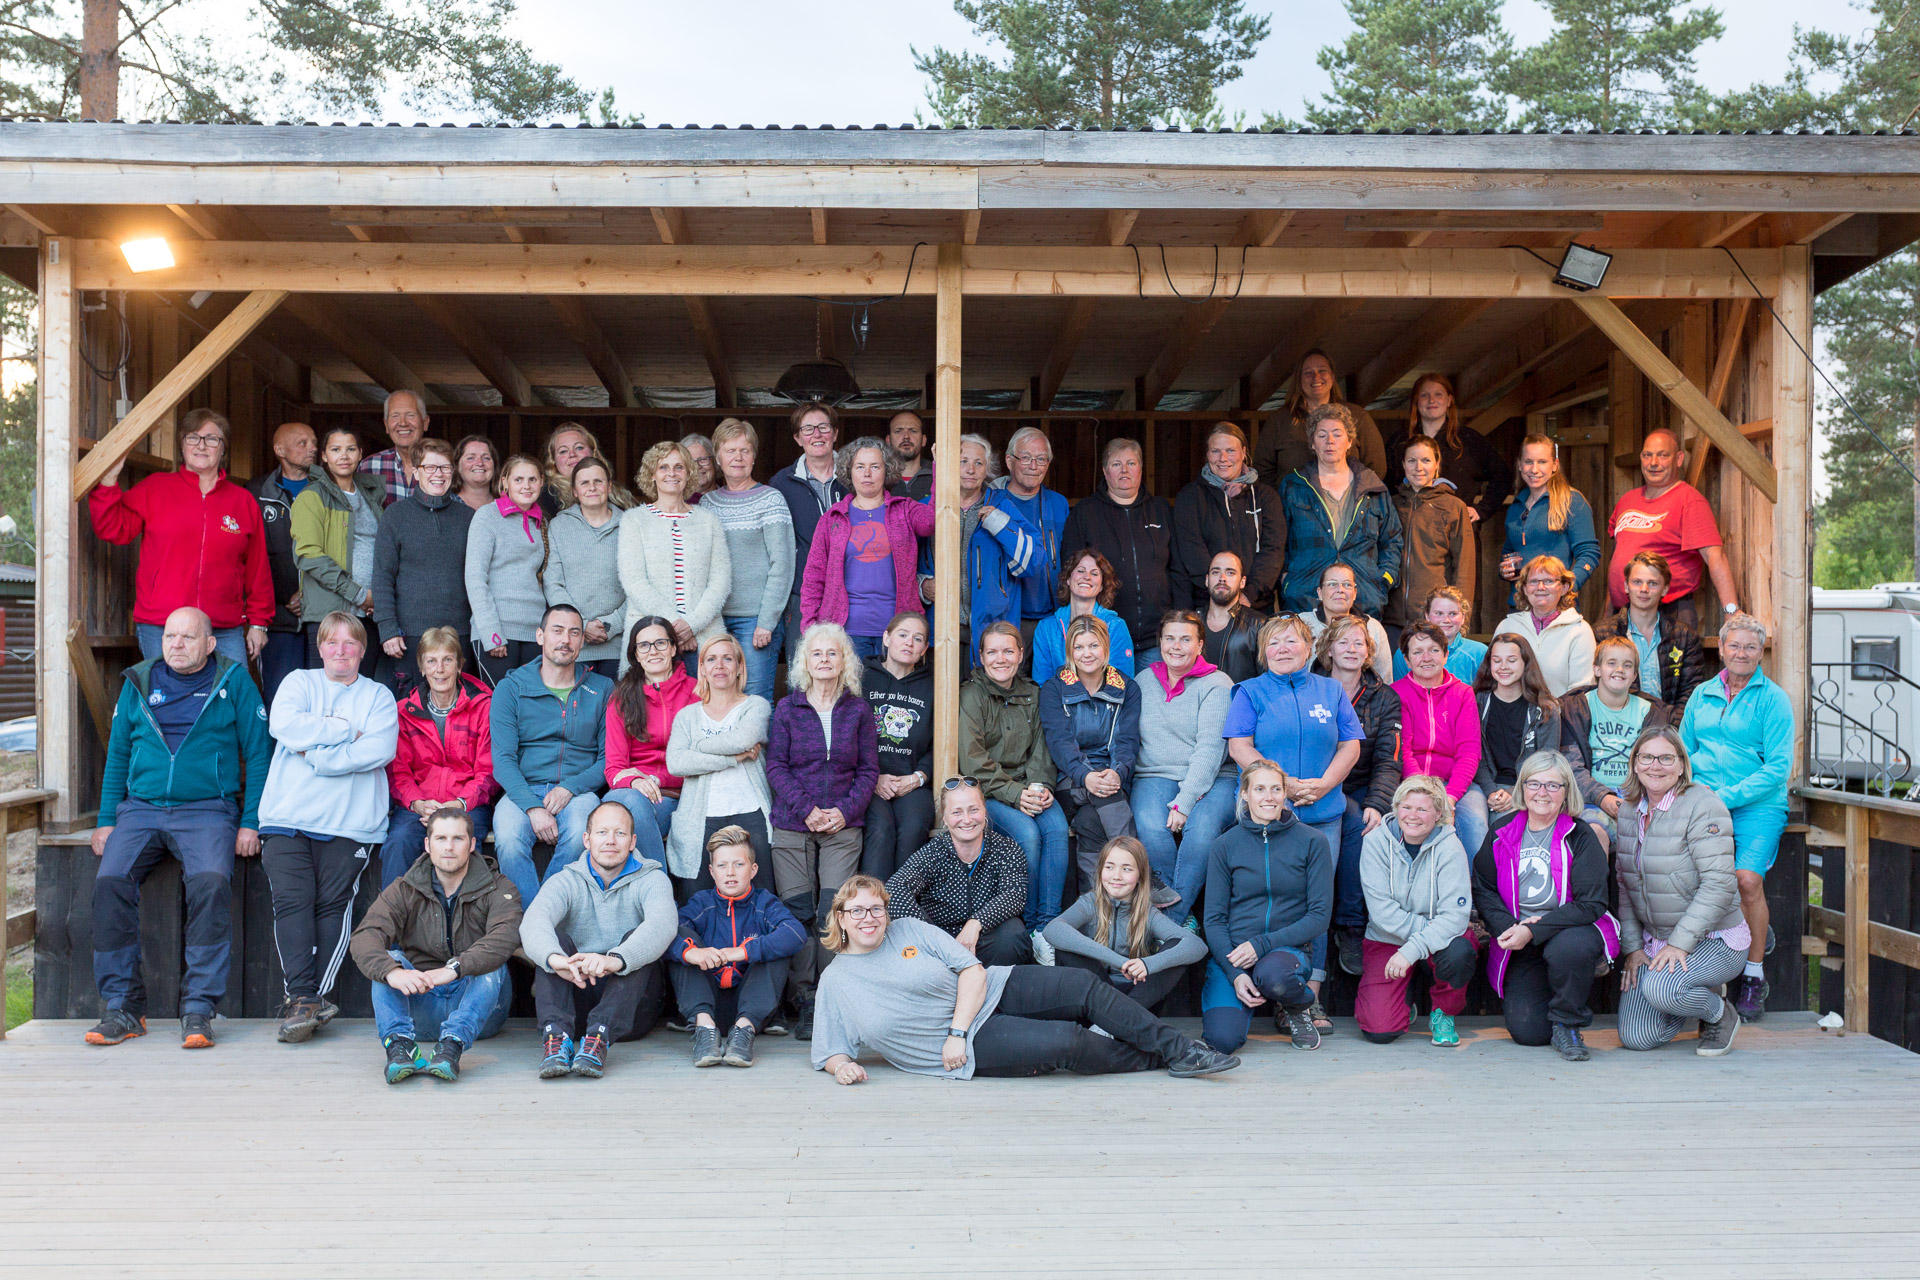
(651, 821)
(1186, 870)
(1349, 897)
(869, 646)
(466, 1009)
(286, 653)
(760, 662)
(407, 839)
(513, 842)
(1045, 840)
(231, 641)
(1144, 658)
(1471, 820)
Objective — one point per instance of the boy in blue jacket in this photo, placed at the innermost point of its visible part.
(732, 954)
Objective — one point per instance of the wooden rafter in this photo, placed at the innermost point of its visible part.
(672, 226)
(1115, 226)
(825, 330)
(1720, 383)
(585, 332)
(1427, 223)
(1277, 366)
(1256, 230)
(1404, 354)
(282, 370)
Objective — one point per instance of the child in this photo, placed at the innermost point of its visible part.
(1448, 609)
(1599, 723)
(1115, 932)
(732, 954)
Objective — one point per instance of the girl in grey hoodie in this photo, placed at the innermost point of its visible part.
(1419, 895)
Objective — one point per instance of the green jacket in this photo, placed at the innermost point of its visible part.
(323, 543)
(224, 755)
(1000, 740)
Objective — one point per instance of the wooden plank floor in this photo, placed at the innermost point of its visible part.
(1793, 1156)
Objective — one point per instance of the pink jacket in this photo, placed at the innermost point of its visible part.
(626, 758)
(1439, 732)
(823, 590)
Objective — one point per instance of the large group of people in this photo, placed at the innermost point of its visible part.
(1244, 729)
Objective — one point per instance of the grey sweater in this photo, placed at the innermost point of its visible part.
(759, 531)
(694, 757)
(1072, 931)
(633, 918)
(503, 583)
(1180, 738)
(583, 570)
(1417, 904)
(412, 590)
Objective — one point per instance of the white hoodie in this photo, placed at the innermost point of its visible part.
(1565, 648)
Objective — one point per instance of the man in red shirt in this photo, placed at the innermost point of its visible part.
(1668, 515)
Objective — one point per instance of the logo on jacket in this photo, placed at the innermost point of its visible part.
(1320, 713)
(229, 524)
(908, 953)
(270, 512)
(897, 722)
(156, 698)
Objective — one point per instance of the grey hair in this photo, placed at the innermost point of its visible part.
(1033, 432)
(1556, 764)
(1744, 622)
(986, 447)
(694, 437)
(1333, 409)
(843, 461)
(386, 406)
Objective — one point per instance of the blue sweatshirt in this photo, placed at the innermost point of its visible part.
(1269, 884)
(1743, 750)
(332, 745)
(1576, 546)
(541, 742)
(1298, 721)
(228, 736)
(1050, 641)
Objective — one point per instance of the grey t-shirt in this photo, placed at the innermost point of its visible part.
(1533, 877)
(897, 1001)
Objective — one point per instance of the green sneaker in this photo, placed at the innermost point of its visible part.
(1444, 1032)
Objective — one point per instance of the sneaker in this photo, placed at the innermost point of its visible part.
(1749, 997)
(116, 1026)
(196, 1031)
(706, 1047)
(327, 1011)
(1567, 1040)
(803, 1024)
(1299, 1025)
(1042, 949)
(1444, 1032)
(739, 1046)
(591, 1060)
(444, 1061)
(558, 1048)
(1717, 1037)
(779, 1023)
(1192, 925)
(1321, 1022)
(403, 1058)
(1164, 895)
(1349, 940)
(1201, 1059)
(299, 1019)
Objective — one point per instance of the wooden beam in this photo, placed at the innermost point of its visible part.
(1688, 398)
(86, 674)
(1793, 455)
(1115, 226)
(34, 218)
(586, 334)
(1859, 942)
(1902, 946)
(1256, 230)
(1700, 230)
(385, 216)
(948, 662)
(56, 520)
(1427, 223)
(970, 227)
(157, 404)
(1277, 366)
(279, 368)
(1510, 405)
(671, 223)
(1720, 381)
(1403, 355)
(825, 329)
(1593, 388)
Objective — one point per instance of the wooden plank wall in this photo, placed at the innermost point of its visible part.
(1893, 898)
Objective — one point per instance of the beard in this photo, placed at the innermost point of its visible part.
(1223, 595)
(905, 455)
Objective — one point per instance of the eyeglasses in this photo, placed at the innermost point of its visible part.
(1545, 786)
(953, 784)
(206, 440)
(817, 429)
(863, 913)
(652, 646)
(1028, 459)
(434, 469)
(1665, 762)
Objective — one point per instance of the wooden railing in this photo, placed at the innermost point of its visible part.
(1843, 825)
(21, 810)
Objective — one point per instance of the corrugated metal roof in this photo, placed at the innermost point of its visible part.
(884, 128)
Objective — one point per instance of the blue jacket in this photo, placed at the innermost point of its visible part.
(540, 742)
(1575, 546)
(994, 563)
(1046, 514)
(1299, 721)
(1087, 732)
(1371, 548)
(228, 739)
(757, 921)
(1270, 884)
(1743, 751)
(1050, 640)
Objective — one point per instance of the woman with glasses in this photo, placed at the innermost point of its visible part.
(420, 535)
(809, 487)
(1540, 885)
(1680, 924)
(968, 880)
(1338, 590)
(902, 990)
(336, 522)
(862, 566)
(652, 691)
(583, 564)
(1562, 640)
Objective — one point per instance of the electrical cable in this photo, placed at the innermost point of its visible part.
(1212, 287)
(868, 302)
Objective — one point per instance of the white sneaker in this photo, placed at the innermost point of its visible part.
(1042, 949)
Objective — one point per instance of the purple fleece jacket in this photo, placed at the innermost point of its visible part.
(804, 775)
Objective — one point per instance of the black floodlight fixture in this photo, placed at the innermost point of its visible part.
(1582, 269)
(827, 381)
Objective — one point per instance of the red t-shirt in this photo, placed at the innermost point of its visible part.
(1676, 524)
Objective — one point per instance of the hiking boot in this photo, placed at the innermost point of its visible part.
(196, 1031)
(444, 1061)
(1749, 996)
(779, 1023)
(327, 1012)
(557, 1045)
(299, 1019)
(591, 1059)
(740, 1046)
(706, 1047)
(803, 1025)
(1349, 940)
(116, 1026)
(1042, 950)
(1444, 1032)
(1567, 1041)
(1201, 1059)
(403, 1058)
(1299, 1025)
(1717, 1037)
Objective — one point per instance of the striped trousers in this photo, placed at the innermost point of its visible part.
(1662, 1002)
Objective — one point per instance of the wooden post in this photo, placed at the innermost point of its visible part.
(1793, 459)
(1859, 943)
(57, 521)
(948, 662)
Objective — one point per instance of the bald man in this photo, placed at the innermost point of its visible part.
(286, 648)
(406, 421)
(186, 762)
(1668, 515)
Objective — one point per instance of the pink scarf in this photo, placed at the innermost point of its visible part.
(530, 517)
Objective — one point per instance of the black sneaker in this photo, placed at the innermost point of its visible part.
(1749, 996)
(803, 1025)
(778, 1023)
(444, 1061)
(740, 1046)
(706, 1047)
(1349, 940)
(1567, 1041)
(1299, 1022)
(403, 1058)
(1164, 894)
(299, 1019)
(1717, 1037)
(116, 1026)
(1201, 1059)
(196, 1031)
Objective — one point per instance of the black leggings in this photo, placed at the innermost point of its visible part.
(1042, 1025)
(314, 883)
(1156, 988)
(1550, 982)
(895, 830)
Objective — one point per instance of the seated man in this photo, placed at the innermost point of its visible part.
(435, 943)
(731, 957)
(594, 933)
(549, 725)
(969, 880)
(185, 724)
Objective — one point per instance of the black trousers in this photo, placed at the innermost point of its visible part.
(754, 997)
(1156, 988)
(1095, 820)
(491, 669)
(314, 883)
(625, 1004)
(1549, 983)
(1006, 943)
(895, 831)
(1043, 1024)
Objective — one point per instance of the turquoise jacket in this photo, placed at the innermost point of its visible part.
(1743, 751)
(223, 757)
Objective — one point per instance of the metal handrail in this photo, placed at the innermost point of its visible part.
(1876, 758)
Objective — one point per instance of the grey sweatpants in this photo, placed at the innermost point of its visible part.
(1660, 1004)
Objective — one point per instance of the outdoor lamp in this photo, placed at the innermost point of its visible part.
(152, 254)
(1582, 269)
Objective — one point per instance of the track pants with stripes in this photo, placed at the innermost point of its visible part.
(315, 880)
(1663, 1000)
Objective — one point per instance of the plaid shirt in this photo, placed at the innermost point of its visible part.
(386, 465)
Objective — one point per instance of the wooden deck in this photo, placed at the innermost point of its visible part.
(1793, 1156)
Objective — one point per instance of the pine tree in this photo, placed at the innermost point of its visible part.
(1414, 64)
(1836, 81)
(1091, 64)
(1611, 64)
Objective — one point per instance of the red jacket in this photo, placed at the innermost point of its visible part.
(425, 768)
(205, 550)
(823, 588)
(1439, 732)
(626, 757)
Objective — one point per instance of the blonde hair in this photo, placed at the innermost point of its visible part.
(1559, 492)
(1631, 791)
(1424, 784)
(1085, 625)
(1247, 772)
(1556, 764)
(735, 429)
(850, 665)
(337, 621)
(1323, 652)
(439, 640)
(617, 496)
(832, 936)
(1139, 905)
(727, 838)
(702, 688)
(650, 463)
(1569, 598)
(1275, 625)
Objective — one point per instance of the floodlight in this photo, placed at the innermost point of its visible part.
(1582, 269)
(152, 254)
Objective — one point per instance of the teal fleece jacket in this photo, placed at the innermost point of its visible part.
(1743, 751)
(226, 750)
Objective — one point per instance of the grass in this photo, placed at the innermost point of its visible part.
(1816, 897)
(19, 988)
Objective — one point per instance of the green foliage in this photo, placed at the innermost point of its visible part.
(1610, 64)
(18, 416)
(19, 991)
(1865, 543)
(1835, 81)
(1414, 64)
(1090, 64)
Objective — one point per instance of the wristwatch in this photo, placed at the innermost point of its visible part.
(1729, 609)
(452, 966)
(958, 1033)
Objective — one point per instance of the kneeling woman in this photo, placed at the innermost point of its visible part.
(1269, 898)
(1114, 932)
(1680, 921)
(904, 990)
(1417, 887)
(1540, 883)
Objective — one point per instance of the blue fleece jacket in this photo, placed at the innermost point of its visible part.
(756, 921)
(332, 745)
(541, 742)
(1269, 884)
(228, 739)
(1577, 546)
(1299, 722)
(1743, 750)
(1050, 641)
